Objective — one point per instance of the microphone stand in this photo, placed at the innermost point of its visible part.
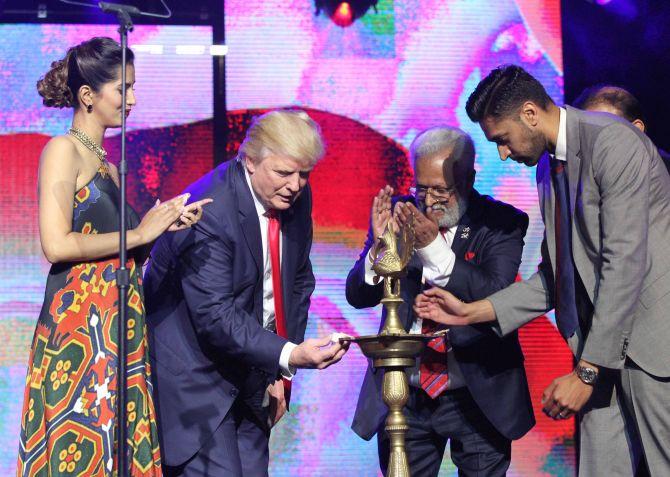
(123, 13)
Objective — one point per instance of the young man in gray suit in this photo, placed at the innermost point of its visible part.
(605, 202)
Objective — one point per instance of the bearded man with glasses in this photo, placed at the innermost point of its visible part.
(469, 388)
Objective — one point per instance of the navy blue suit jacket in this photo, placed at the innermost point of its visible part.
(488, 245)
(204, 299)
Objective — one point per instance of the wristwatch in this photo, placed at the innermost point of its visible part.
(586, 374)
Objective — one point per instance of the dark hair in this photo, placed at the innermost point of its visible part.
(618, 98)
(93, 63)
(503, 92)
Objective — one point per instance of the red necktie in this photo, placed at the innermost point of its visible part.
(280, 322)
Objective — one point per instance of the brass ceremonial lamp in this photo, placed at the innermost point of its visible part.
(393, 349)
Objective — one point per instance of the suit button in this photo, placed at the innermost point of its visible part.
(234, 392)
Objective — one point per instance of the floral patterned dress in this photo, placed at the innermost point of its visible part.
(69, 411)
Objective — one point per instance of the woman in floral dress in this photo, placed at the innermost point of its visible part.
(68, 422)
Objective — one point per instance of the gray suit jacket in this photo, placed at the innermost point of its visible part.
(620, 204)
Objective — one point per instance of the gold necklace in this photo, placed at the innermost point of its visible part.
(92, 146)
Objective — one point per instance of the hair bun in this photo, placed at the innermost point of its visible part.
(53, 86)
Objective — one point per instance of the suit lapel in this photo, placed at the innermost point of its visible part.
(468, 226)
(463, 235)
(573, 157)
(251, 227)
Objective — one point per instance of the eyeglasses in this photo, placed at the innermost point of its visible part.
(440, 194)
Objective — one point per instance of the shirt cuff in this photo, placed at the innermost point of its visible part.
(438, 261)
(369, 272)
(287, 371)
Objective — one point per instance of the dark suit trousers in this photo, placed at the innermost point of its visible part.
(238, 448)
(477, 448)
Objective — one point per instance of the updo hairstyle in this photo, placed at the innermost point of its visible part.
(93, 63)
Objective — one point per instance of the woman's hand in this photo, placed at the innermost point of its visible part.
(190, 216)
(159, 218)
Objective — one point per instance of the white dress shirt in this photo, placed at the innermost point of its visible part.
(268, 293)
(438, 261)
(561, 152)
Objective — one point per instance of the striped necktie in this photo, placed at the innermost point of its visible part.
(433, 373)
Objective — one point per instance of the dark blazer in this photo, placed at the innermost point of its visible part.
(204, 304)
(488, 245)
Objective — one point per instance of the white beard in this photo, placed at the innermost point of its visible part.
(451, 215)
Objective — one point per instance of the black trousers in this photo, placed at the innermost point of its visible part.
(477, 448)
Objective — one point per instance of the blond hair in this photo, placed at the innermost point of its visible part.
(283, 132)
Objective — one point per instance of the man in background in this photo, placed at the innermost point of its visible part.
(616, 100)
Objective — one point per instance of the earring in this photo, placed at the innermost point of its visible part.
(89, 108)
